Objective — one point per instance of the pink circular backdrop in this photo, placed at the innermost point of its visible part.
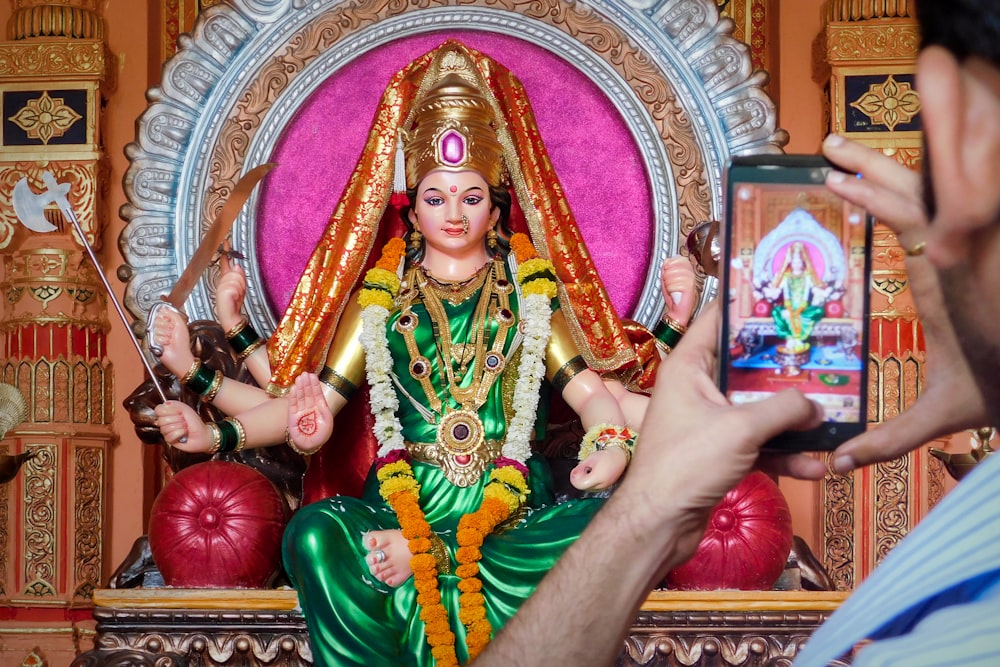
(590, 146)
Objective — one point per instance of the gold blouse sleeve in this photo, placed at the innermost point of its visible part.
(563, 360)
(344, 369)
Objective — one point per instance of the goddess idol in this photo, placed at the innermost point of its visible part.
(461, 329)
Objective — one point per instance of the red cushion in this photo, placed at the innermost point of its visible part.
(746, 544)
(217, 524)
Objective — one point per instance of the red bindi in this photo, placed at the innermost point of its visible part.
(454, 188)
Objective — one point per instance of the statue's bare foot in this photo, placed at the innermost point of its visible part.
(388, 556)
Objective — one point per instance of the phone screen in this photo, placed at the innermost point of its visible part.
(796, 274)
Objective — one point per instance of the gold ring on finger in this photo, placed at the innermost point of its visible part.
(916, 250)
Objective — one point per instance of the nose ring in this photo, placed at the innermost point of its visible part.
(465, 224)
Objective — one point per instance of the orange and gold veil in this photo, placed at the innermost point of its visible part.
(300, 342)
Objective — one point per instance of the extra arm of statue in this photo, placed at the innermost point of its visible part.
(230, 295)
(680, 294)
(172, 335)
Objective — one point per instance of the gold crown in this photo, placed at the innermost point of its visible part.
(452, 129)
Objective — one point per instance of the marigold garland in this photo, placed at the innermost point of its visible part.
(507, 488)
(522, 247)
(392, 254)
(395, 471)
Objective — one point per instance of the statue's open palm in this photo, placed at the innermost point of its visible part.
(310, 420)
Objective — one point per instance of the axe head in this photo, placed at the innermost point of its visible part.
(30, 207)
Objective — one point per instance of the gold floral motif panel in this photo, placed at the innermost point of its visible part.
(39, 520)
(55, 58)
(88, 507)
(42, 121)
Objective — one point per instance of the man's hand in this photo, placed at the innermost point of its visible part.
(694, 446)
(950, 400)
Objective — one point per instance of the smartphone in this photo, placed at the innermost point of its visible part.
(796, 269)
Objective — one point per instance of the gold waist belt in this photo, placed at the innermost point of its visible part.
(461, 469)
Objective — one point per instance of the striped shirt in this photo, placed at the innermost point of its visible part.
(935, 599)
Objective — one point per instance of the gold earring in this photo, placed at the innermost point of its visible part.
(491, 238)
(416, 239)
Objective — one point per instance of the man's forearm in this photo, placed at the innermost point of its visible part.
(581, 611)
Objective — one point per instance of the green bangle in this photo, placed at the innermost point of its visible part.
(242, 338)
(668, 332)
(201, 380)
(209, 394)
(229, 435)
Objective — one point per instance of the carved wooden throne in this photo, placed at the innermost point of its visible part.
(640, 104)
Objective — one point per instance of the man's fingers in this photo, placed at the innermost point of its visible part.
(917, 426)
(800, 466)
(890, 191)
(787, 410)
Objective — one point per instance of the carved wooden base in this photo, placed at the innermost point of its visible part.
(725, 628)
(216, 628)
(210, 628)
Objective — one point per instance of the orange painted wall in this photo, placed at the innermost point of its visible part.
(131, 28)
(802, 112)
(131, 470)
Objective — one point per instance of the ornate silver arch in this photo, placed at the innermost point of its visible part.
(683, 86)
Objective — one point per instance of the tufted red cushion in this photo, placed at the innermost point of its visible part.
(746, 544)
(217, 524)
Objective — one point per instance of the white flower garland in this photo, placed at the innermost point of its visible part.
(536, 317)
(378, 368)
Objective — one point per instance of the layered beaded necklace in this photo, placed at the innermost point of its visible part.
(460, 432)
(506, 491)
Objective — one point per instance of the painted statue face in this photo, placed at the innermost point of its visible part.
(797, 263)
(443, 197)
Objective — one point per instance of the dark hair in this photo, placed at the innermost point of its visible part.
(966, 28)
(499, 198)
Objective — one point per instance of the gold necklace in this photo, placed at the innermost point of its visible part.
(459, 432)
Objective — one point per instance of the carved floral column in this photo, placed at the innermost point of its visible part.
(54, 70)
(871, 50)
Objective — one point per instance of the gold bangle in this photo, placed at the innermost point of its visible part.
(300, 452)
(620, 444)
(254, 346)
(675, 325)
(213, 389)
(241, 433)
(195, 366)
(603, 436)
(216, 433)
(240, 326)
